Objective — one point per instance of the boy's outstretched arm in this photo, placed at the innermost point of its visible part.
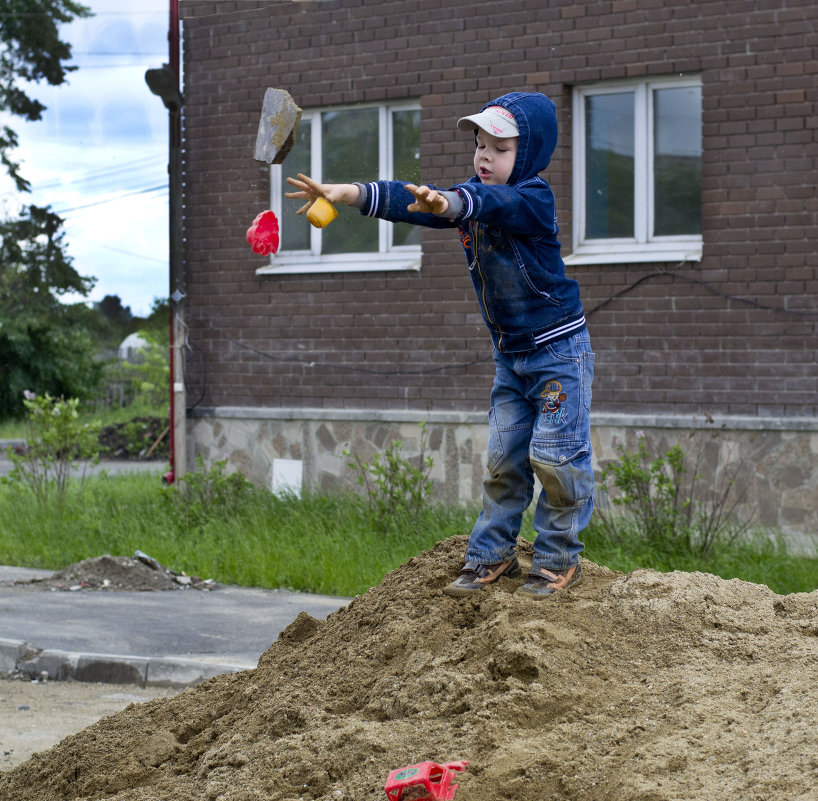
(311, 190)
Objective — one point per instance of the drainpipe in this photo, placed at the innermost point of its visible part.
(164, 82)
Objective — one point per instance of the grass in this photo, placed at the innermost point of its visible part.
(13, 429)
(322, 544)
(317, 544)
(760, 557)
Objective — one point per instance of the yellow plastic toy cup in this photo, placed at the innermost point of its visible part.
(321, 213)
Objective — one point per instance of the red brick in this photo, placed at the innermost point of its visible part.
(759, 203)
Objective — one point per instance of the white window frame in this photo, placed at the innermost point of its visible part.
(643, 246)
(388, 256)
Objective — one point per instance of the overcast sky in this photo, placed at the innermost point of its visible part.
(99, 155)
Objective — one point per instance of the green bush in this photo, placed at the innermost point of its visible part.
(394, 486)
(200, 496)
(146, 379)
(666, 502)
(57, 438)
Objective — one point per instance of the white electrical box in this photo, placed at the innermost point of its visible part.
(287, 476)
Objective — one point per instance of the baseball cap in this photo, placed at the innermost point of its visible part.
(494, 120)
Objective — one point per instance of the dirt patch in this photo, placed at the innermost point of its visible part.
(113, 573)
(643, 686)
(37, 715)
(138, 438)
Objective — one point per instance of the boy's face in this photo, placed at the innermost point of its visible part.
(494, 157)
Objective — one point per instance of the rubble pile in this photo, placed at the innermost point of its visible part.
(138, 573)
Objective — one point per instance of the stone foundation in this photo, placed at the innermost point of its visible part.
(771, 464)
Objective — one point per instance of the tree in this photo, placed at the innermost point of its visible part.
(31, 51)
(45, 345)
(111, 322)
(157, 321)
(119, 316)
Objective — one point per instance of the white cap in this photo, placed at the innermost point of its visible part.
(494, 120)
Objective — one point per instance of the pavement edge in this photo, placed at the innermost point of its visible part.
(21, 659)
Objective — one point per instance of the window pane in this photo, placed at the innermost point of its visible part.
(677, 163)
(609, 173)
(295, 230)
(350, 153)
(406, 158)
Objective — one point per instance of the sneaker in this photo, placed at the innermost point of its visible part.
(474, 577)
(542, 583)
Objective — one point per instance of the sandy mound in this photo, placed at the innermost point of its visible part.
(646, 686)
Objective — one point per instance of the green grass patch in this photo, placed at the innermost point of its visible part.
(317, 543)
(321, 544)
(760, 557)
(112, 416)
(13, 429)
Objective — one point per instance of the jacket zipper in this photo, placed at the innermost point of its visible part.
(483, 284)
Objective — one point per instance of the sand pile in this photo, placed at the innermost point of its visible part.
(646, 686)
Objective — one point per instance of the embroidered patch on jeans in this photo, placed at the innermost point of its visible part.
(552, 407)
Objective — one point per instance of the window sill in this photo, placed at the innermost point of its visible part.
(300, 264)
(624, 254)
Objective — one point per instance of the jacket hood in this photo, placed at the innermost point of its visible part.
(536, 119)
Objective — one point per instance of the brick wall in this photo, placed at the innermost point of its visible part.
(734, 334)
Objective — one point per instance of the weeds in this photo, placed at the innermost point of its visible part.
(667, 503)
(394, 486)
(199, 497)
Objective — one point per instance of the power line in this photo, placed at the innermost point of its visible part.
(114, 199)
(111, 171)
(135, 65)
(117, 53)
(303, 361)
(94, 15)
(711, 289)
(118, 250)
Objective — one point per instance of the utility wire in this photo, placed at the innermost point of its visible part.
(300, 360)
(340, 367)
(118, 250)
(95, 15)
(690, 280)
(117, 53)
(135, 65)
(106, 173)
(145, 191)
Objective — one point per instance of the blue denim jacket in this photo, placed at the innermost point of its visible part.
(509, 235)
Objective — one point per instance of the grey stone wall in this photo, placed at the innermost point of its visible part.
(772, 465)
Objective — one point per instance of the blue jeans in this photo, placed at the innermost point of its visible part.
(539, 424)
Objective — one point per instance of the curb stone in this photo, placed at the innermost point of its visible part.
(20, 659)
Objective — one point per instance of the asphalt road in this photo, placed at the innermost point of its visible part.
(161, 638)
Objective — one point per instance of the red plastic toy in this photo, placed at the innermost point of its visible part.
(262, 235)
(426, 781)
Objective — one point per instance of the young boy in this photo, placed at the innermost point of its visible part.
(539, 420)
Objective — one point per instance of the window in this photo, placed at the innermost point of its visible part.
(637, 172)
(343, 145)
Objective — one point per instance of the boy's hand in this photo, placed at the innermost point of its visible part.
(311, 190)
(427, 200)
